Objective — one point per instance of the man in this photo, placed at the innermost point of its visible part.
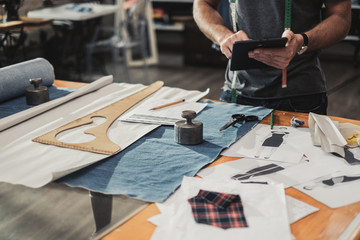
(258, 19)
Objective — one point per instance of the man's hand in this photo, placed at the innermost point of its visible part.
(279, 57)
(226, 45)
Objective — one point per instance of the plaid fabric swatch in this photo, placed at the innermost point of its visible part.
(218, 209)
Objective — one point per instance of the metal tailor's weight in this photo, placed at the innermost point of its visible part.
(188, 132)
(36, 94)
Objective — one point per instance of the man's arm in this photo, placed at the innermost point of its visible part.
(213, 26)
(333, 28)
(209, 20)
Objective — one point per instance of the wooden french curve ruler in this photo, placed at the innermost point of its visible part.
(101, 143)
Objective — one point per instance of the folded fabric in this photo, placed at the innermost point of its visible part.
(330, 135)
(15, 78)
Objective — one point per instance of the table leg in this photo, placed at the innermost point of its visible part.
(101, 205)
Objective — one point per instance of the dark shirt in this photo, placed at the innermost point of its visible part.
(265, 19)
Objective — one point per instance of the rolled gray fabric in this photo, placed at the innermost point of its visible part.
(14, 79)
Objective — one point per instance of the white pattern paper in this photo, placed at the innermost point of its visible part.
(264, 208)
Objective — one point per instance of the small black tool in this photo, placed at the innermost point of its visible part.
(239, 118)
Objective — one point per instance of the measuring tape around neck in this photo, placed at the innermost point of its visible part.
(233, 82)
(287, 26)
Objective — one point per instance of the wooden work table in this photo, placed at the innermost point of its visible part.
(327, 223)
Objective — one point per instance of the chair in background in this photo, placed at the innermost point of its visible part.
(130, 35)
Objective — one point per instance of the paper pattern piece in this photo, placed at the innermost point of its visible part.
(33, 164)
(264, 208)
(248, 169)
(277, 144)
(336, 189)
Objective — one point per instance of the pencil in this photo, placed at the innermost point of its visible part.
(272, 120)
(169, 104)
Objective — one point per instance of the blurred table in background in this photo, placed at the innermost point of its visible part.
(12, 37)
(74, 25)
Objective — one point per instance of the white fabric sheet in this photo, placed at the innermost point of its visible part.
(33, 164)
(264, 208)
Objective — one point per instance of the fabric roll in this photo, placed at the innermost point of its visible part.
(14, 79)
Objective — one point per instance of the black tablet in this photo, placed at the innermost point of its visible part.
(240, 59)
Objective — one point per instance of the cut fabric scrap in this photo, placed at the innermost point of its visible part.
(218, 209)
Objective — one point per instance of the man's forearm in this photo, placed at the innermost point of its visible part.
(332, 29)
(209, 20)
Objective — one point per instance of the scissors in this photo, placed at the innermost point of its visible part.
(239, 118)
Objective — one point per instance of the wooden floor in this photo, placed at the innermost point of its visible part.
(59, 212)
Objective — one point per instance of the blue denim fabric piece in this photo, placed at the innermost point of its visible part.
(153, 167)
(18, 104)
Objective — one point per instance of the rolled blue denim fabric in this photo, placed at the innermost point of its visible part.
(153, 167)
(14, 79)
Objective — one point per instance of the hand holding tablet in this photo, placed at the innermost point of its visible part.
(240, 59)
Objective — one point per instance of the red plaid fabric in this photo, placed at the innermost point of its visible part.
(218, 209)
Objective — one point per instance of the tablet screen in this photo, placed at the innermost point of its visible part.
(240, 59)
